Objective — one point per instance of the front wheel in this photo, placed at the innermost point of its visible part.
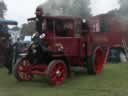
(57, 72)
(22, 70)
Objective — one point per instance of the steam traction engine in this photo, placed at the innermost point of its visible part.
(69, 43)
(6, 53)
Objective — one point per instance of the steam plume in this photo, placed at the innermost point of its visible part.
(67, 8)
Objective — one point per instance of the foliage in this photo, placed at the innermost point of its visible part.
(28, 29)
(3, 9)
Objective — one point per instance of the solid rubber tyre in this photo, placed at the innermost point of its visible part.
(21, 69)
(96, 62)
(57, 72)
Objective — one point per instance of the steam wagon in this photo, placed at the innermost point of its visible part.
(67, 44)
(5, 42)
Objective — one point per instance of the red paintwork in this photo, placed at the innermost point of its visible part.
(35, 69)
(58, 73)
(24, 70)
(118, 28)
(99, 60)
(76, 47)
(73, 45)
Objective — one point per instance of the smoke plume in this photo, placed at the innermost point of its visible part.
(67, 8)
(123, 7)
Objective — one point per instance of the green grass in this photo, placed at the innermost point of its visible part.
(112, 82)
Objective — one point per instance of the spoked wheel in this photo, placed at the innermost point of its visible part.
(57, 72)
(96, 62)
(22, 70)
(99, 61)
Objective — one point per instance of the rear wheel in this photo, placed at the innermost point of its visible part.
(22, 70)
(57, 72)
(96, 61)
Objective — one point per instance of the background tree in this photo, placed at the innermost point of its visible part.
(28, 29)
(3, 9)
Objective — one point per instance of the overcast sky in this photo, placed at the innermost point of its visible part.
(20, 10)
(103, 6)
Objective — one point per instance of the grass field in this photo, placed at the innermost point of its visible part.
(112, 82)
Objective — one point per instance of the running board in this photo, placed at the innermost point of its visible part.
(78, 69)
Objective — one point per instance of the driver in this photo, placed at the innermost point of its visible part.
(40, 28)
(40, 23)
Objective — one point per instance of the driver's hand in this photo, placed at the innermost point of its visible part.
(42, 35)
(36, 34)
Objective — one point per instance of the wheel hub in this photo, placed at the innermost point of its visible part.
(58, 73)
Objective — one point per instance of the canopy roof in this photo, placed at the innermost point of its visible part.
(8, 22)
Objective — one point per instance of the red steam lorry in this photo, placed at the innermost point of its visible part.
(69, 44)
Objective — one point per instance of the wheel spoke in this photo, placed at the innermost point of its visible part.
(58, 73)
(22, 70)
(99, 62)
(62, 78)
(54, 78)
